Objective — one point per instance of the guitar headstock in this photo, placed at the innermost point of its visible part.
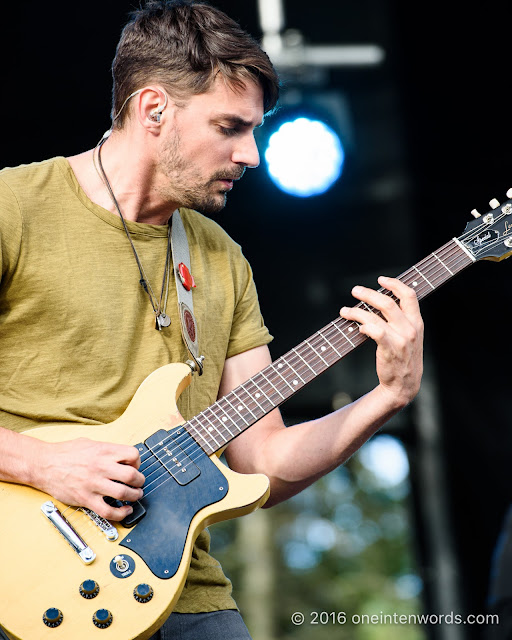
(489, 236)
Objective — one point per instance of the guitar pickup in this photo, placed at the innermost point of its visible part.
(165, 448)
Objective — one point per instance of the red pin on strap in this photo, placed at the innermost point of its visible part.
(187, 279)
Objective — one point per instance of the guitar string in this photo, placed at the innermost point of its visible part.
(194, 443)
(254, 405)
(424, 274)
(248, 406)
(304, 371)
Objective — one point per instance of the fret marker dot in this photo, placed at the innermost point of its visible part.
(324, 349)
(224, 419)
(295, 382)
(351, 329)
(240, 408)
(258, 395)
(210, 428)
(415, 284)
(279, 366)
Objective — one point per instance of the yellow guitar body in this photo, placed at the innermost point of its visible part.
(39, 570)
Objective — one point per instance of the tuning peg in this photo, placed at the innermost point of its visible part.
(509, 194)
(494, 204)
(475, 213)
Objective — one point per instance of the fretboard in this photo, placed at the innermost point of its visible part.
(235, 412)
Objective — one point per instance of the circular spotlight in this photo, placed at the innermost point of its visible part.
(304, 157)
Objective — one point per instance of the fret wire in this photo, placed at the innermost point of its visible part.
(254, 395)
(200, 434)
(294, 369)
(222, 427)
(443, 264)
(432, 269)
(227, 415)
(428, 262)
(306, 347)
(318, 354)
(276, 371)
(304, 361)
(456, 257)
(270, 383)
(321, 347)
(425, 278)
(244, 404)
(259, 386)
(339, 338)
(451, 253)
(212, 428)
(438, 279)
(329, 343)
(328, 350)
(224, 421)
(199, 431)
(334, 323)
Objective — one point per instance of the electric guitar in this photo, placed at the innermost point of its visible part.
(66, 573)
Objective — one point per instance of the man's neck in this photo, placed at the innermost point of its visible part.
(131, 176)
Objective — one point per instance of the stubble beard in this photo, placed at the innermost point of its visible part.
(187, 187)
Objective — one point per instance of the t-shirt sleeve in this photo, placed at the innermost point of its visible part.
(10, 231)
(248, 329)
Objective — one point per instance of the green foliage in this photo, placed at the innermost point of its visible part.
(342, 553)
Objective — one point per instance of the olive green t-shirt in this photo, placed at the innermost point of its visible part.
(77, 331)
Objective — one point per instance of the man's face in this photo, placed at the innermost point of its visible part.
(209, 144)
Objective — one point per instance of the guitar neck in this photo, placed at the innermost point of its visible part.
(235, 412)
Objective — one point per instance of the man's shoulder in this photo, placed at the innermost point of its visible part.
(24, 175)
(206, 230)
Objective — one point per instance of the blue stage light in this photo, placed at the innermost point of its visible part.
(304, 157)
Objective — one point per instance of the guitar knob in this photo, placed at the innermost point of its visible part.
(494, 204)
(52, 617)
(102, 618)
(143, 593)
(475, 213)
(89, 589)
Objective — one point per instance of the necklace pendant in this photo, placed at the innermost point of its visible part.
(162, 321)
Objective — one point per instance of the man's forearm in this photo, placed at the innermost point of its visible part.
(18, 457)
(297, 456)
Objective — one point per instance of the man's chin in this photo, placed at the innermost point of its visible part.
(212, 205)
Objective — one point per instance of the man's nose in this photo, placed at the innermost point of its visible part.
(246, 152)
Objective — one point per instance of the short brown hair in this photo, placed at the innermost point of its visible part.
(183, 45)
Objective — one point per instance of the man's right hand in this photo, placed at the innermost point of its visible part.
(81, 472)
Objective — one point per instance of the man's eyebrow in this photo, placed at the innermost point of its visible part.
(236, 120)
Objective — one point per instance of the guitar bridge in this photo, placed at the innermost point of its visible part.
(104, 525)
(84, 552)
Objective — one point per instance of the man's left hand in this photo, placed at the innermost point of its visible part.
(398, 334)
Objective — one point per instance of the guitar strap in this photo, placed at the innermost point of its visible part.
(184, 285)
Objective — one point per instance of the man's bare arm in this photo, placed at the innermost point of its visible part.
(76, 472)
(295, 457)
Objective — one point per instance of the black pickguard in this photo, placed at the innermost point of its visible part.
(159, 538)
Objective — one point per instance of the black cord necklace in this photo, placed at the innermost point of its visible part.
(162, 320)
